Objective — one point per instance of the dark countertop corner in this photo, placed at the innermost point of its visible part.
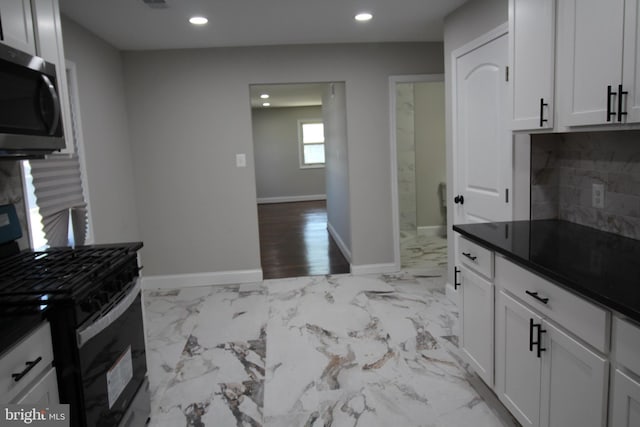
(601, 266)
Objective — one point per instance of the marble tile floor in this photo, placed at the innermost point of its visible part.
(333, 351)
(419, 252)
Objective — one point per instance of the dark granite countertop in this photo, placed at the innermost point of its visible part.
(601, 266)
(13, 328)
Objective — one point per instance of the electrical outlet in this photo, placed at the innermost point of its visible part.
(241, 160)
(597, 196)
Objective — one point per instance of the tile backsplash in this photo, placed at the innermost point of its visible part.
(564, 168)
(11, 192)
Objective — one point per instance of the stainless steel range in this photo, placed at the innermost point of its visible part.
(91, 297)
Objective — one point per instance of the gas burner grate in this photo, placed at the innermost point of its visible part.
(57, 273)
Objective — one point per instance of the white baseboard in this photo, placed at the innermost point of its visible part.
(432, 230)
(201, 279)
(373, 268)
(289, 199)
(346, 252)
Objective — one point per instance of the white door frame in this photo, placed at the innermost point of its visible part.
(393, 81)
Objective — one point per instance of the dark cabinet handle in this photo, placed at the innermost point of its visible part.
(456, 271)
(468, 255)
(30, 365)
(542, 105)
(459, 199)
(538, 297)
(538, 341)
(610, 93)
(1, 32)
(620, 112)
(531, 326)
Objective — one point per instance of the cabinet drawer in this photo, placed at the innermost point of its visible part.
(35, 345)
(475, 257)
(627, 345)
(576, 314)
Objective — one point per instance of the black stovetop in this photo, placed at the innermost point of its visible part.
(45, 277)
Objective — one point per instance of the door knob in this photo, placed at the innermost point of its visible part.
(459, 199)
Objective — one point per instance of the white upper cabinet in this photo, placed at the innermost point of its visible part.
(16, 25)
(531, 55)
(631, 61)
(598, 62)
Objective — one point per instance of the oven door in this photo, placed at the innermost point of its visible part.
(112, 360)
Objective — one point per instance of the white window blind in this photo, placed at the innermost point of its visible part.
(58, 183)
(58, 189)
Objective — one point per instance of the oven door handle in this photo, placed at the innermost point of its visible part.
(104, 321)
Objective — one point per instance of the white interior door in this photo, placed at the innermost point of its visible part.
(482, 139)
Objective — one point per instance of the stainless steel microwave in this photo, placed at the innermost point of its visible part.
(30, 117)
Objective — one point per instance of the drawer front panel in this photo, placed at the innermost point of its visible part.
(627, 344)
(581, 317)
(475, 257)
(33, 346)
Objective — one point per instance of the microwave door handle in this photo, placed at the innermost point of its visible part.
(56, 103)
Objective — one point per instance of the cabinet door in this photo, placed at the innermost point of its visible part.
(625, 408)
(518, 369)
(532, 51)
(631, 72)
(16, 25)
(477, 324)
(590, 58)
(43, 392)
(574, 382)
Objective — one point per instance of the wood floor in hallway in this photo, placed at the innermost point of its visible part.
(294, 241)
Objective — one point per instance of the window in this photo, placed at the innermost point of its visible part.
(55, 189)
(311, 137)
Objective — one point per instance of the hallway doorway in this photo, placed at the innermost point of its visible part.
(294, 241)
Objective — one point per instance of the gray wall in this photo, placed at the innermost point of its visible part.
(564, 168)
(197, 210)
(106, 138)
(334, 113)
(462, 26)
(276, 152)
(431, 167)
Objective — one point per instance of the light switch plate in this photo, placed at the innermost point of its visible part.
(241, 160)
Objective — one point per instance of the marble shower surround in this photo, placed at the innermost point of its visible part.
(565, 166)
(406, 148)
(313, 351)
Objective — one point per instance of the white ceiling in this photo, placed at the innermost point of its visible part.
(132, 25)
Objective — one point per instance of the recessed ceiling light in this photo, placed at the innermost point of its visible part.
(364, 16)
(266, 104)
(198, 20)
(264, 96)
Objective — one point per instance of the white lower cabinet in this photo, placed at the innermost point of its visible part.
(574, 382)
(625, 408)
(625, 399)
(544, 376)
(43, 392)
(477, 323)
(518, 369)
